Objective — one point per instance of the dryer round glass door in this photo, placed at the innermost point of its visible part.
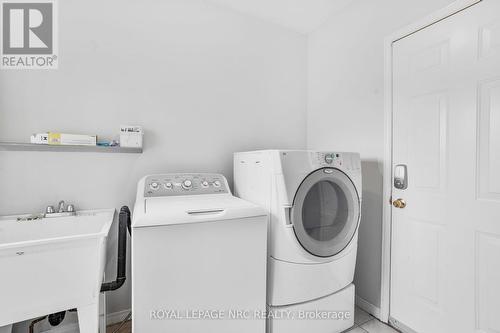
(325, 212)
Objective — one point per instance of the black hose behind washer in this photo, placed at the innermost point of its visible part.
(121, 263)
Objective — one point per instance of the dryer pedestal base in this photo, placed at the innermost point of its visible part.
(330, 314)
(292, 283)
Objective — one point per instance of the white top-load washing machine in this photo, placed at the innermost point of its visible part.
(314, 201)
(198, 257)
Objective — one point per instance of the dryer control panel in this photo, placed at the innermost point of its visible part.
(348, 161)
(329, 159)
(175, 184)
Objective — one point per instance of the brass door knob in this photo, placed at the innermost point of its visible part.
(399, 203)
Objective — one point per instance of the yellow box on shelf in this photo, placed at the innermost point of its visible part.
(72, 139)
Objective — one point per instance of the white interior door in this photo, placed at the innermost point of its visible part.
(445, 249)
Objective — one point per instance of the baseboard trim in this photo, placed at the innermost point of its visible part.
(368, 307)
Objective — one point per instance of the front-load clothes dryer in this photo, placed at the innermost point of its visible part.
(314, 202)
(198, 257)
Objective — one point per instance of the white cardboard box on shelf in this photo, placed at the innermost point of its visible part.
(40, 138)
(131, 136)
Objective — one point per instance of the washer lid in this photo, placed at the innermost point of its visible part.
(194, 209)
(326, 211)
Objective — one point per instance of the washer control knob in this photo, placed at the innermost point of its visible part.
(168, 186)
(154, 186)
(217, 183)
(187, 184)
(204, 184)
(329, 158)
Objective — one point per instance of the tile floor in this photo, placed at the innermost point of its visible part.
(363, 323)
(126, 328)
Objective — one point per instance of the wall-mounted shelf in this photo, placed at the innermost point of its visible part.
(18, 146)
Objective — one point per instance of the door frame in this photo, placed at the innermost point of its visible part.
(433, 18)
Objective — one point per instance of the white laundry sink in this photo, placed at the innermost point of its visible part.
(53, 264)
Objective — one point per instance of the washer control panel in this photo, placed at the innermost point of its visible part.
(175, 184)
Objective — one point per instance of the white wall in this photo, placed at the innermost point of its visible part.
(203, 81)
(345, 106)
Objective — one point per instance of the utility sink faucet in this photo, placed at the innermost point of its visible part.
(61, 206)
(62, 210)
